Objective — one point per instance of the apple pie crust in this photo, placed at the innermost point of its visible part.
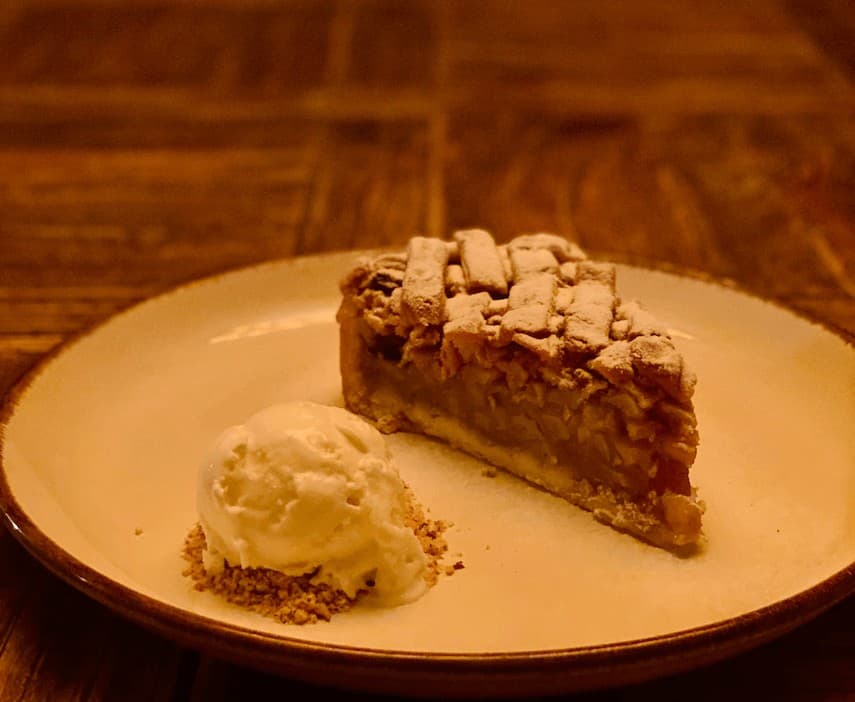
(522, 354)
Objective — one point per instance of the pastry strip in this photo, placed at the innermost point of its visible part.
(589, 319)
(528, 262)
(529, 306)
(481, 262)
(424, 280)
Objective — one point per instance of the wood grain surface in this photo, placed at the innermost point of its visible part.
(147, 143)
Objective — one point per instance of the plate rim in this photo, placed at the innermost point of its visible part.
(681, 650)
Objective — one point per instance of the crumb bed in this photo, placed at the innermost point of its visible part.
(296, 599)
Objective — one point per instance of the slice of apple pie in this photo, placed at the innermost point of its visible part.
(523, 355)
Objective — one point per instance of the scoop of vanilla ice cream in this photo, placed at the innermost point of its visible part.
(303, 487)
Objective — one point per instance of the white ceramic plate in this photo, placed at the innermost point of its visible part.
(104, 439)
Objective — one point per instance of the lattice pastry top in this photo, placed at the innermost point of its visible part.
(539, 293)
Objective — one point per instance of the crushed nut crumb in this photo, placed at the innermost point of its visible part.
(296, 599)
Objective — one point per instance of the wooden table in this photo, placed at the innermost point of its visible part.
(144, 144)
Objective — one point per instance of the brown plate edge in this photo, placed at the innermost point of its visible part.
(465, 675)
